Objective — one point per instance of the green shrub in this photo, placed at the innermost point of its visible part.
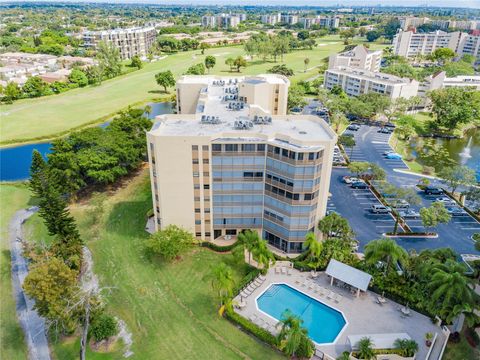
(103, 327)
(251, 275)
(251, 328)
(218, 248)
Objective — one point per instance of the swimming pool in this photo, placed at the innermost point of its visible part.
(322, 322)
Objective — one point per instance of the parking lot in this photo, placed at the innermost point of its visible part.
(355, 204)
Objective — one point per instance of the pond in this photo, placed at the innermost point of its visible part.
(464, 151)
(15, 161)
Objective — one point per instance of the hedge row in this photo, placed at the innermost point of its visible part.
(251, 328)
(251, 275)
(218, 248)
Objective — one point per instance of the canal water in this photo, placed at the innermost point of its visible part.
(15, 161)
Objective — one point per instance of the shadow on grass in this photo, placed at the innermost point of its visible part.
(128, 218)
(160, 92)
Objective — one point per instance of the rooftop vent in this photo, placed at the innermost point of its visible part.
(210, 119)
(243, 125)
(262, 120)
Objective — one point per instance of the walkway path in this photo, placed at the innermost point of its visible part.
(32, 324)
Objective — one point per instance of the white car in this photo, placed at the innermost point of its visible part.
(445, 200)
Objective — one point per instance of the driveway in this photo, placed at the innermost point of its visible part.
(370, 145)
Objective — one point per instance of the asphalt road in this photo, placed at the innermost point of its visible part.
(32, 324)
(354, 204)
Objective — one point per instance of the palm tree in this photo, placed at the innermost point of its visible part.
(407, 347)
(365, 349)
(222, 281)
(385, 250)
(292, 334)
(262, 254)
(250, 239)
(450, 289)
(314, 249)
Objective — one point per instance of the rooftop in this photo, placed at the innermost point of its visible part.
(219, 117)
(370, 75)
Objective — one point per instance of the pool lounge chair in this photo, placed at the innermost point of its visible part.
(284, 270)
(289, 272)
(338, 298)
(277, 270)
(262, 277)
(331, 295)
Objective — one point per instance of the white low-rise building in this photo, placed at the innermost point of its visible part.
(357, 82)
(441, 81)
(359, 58)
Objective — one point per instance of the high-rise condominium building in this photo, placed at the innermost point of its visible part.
(231, 159)
(359, 58)
(223, 20)
(410, 44)
(129, 42)
(270, 19)
(289, 19)
(357, 82)
(411, 22)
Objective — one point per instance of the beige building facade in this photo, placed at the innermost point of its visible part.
(358, 58)
(129, 42)
(357, 82)
(223, 165)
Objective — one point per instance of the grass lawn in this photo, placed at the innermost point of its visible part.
(170, 308)
(461, 350)
(12, 345)
(41, 118)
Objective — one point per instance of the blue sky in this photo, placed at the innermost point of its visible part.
(436, 3)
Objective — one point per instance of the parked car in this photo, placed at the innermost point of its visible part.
(394, 156)
(388, 152)
(350, 179)
(445, 200)
(432, 190)
(401, 204)
(380, 209)
(359, 185)
(353, 127)
(385, 130)
(409, 214)
(390, 125)
(456, 211)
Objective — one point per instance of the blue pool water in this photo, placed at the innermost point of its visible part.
(322, 322)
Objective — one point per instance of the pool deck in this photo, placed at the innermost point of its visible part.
(363, 314)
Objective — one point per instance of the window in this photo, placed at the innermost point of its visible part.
(296, 196)
(285, 152)
(196, 174)
(277, 150)
(260, 147)
(300, 156)
(248, 147)
(311, 156)
(248, 174)
(195, 161)
(207, 211)
(206, 173)
(231, 147)
(198, 234)
(197, 210)
(196, 186)
(205, 147)
(259, 174)
(152, 147)
(206, 187)
(216, 147)
(207, 222)
(206, 161)
(194, 147)
(308, 196)
(198, 222)
(207, 234)
(196, 198)
(291, 155)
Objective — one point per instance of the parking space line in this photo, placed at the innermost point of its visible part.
(470, 228)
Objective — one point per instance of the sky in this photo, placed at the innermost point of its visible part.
(432, 3)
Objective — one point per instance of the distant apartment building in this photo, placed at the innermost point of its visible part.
(223, 20)
(359, 58)
(231, 159)
(411, 22)
(328, 22)
(356, 82)
(441, 81)
(270, 19)
(410, 44)
(289, 19)
(129, 42)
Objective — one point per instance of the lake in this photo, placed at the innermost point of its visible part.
(464, 151)
(15, 161)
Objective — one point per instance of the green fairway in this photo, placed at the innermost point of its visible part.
(170, 309)
(13, 347)
(41, 118)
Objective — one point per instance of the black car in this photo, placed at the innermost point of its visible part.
(432, 190)
(385, 130)
(390, 125)
(353, 127)
(359, 185)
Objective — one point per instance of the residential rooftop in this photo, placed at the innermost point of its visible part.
(384, 78)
